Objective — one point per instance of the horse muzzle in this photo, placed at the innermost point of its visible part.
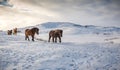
(37, 33)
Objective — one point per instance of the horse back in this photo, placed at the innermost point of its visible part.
(51, 33)
(26, 30)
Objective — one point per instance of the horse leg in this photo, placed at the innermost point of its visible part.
(49, 38)
(59, 39)
(55, 39)
(15, 33)
(26, 37)
(32, 38)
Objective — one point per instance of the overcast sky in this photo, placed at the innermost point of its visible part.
(84, 12)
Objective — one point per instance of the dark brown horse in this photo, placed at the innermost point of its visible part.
(31, 32)
(9, 32)
(15, 31)
(55, 34)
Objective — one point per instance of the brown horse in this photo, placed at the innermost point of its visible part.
(55, 34)
(15, 31)
(31, 32)
(9, 32)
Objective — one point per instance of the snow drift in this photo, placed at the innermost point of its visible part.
(82, 48)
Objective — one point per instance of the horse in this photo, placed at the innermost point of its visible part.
(31, 32)
(9, 32)
(15, 31)
(55, 34)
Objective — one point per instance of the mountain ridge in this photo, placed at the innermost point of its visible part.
(73, 28)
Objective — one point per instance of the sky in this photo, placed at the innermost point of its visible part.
(21, 13)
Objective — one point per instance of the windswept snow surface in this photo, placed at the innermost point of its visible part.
(82, 48)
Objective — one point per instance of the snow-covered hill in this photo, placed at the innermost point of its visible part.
(79, 29)
(82, 48)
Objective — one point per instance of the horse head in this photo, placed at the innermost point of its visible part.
(37, 30)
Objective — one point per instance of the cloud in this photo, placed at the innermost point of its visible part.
(92, 6)
(85, 12)
(5, 3)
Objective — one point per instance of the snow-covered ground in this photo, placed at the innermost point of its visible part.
(82, 48)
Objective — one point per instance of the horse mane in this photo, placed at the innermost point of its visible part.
(33, 29)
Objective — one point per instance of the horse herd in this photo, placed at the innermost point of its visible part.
(14, 31)
(54, 34)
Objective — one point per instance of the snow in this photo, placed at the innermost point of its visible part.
(91, 48)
